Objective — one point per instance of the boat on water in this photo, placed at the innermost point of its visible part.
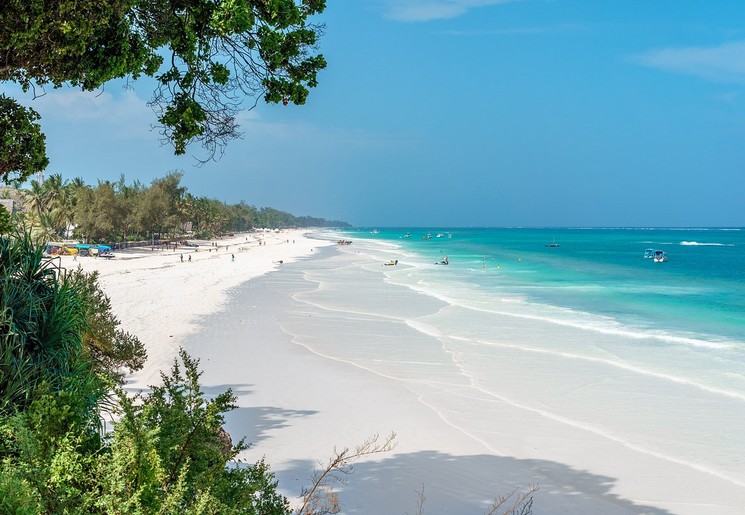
(649, 254)
(660, 256)
(440, 235)
(552, 244)
(427, 237)
(407, 235)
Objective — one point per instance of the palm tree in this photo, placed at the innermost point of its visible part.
(36, 198)
(53, 187)
(47, 229)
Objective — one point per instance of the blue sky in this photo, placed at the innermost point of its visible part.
(471, 113)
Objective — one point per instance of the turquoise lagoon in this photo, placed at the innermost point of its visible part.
(596, 278)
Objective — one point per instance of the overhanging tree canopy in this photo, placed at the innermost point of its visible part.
(207, 56)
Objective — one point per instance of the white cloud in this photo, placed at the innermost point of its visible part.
(426, 10)
(725, 63)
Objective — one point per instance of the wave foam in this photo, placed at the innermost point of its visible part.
(698, 244)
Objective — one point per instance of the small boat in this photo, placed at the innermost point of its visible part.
(649, 254)
(427, 237)
(440, 235)
(407, 235)
(552, 244)
(660, 256)
(443, 262)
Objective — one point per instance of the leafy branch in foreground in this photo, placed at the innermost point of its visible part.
(167, 454)
(170, 454)
(320, 498)
(207, 57)
(23, 149)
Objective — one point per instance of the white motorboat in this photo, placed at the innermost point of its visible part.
(660, 256)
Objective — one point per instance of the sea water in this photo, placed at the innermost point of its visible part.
(593, 277)
(581, 354)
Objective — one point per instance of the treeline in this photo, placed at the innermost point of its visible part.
(117, 211)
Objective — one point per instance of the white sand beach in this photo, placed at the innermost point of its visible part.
(322, 352)
(158, 295)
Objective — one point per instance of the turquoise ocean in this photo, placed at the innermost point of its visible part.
(596, 278)
(582, 354)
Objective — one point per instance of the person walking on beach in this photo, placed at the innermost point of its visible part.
(189, 258)
(182, 258)
(232, 257)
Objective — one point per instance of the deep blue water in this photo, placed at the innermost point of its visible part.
(699, 293)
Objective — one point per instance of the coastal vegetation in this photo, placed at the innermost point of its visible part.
(61, 373)
(111, 212)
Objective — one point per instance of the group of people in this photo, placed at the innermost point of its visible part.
(232, 257)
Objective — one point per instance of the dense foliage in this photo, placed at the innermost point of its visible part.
(207, 56)
(23, 149)
(116, 211)
(61, 356)
(56, 327)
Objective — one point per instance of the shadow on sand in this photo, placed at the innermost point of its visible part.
(254, 423)
(457, 485)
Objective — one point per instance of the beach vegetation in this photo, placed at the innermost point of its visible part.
(321, 497)
(167, 453)
(56, 326)
(114, 211)
(6, 221)
(209, 60)
(62, 364)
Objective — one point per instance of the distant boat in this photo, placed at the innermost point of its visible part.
(407, 235)
(427, 237)
(552, 244)
(440, 235)
(660, 256)
(649, 254)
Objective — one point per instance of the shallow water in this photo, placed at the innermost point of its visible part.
(512, 366)
(588, 336)
(699, 294)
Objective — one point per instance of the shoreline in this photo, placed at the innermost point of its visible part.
(325, 352)
(157, 297)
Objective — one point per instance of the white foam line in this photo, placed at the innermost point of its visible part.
(401, 380)
(605, 434)
(623, 366)
(460, 429)
(583, 326)
(492, 397)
